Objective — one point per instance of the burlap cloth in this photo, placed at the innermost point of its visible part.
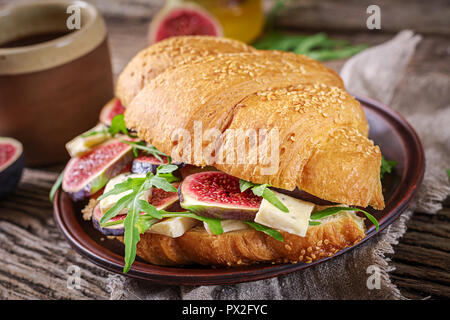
(381, 73)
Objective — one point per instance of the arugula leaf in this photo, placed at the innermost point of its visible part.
(130, 184)
(134, 222)
(262, 190)
(145, 222)
(244, 185)
(272, 198)
(117, 208)
(146, 207)
(118, 125)
(56, 186)
(93, 133)
(318, 46)
(269, 231)
(162, 183)
(214, 224)
(131, 236)
(140, 145)
(112, 223)
(166, 168)
(333, 210)
(386, 166)
(448, 172)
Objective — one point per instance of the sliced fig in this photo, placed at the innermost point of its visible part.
(164, 200)
(113, 230)
(85, 175)
(217, 194)
(110, 110)
(11, 165)
(86, 141)
(146, 163)
(181, 19)
(161, 199)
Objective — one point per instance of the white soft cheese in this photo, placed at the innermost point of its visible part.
(81, 145)
(108, 202)
(228, 226)
(296, 221)
(173, 227)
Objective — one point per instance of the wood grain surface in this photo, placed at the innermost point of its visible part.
(34, 257)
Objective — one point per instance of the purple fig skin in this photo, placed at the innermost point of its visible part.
(106, 231)
(303, 195)
(146, 164)
(85, 190)
(10, 177)
(218, 212)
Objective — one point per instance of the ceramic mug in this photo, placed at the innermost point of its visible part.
(55, 75)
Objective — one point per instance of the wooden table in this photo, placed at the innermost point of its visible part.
(34, 257)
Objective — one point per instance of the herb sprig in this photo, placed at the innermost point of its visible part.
(117, 126)
(262, 190)
(141, 145)
(135, 205)
(56, 186)
(318, 46)
(333, 210)
(386, 166)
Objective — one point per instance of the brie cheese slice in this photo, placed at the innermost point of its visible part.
(81, 145)
(228, 226)
(173, 227)
(296, 221)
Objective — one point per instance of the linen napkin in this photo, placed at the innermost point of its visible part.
(374, 73)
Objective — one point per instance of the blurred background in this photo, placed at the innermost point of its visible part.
(128, 21)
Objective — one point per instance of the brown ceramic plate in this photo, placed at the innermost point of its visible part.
(389, 130)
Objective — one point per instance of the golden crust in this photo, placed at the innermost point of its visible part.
(152, 61)
(246, 247)
(318, 121)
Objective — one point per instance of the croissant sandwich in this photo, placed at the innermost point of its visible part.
(215, 153)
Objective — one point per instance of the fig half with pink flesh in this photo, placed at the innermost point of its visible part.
(110, 110)
(216, 194)
(11, 165)
(85, 175)
(179, 18)
(161, 199)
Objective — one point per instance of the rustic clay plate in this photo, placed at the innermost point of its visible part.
(389, 130)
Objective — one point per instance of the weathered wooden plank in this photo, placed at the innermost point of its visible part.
(415, 254)
(427, 240)
(430, 225)
(422, 288)
(420, 273)
(34, 255)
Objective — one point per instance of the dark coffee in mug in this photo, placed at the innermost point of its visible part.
(33, 39)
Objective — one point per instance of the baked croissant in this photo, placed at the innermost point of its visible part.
(324, 149)
(217, 84)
